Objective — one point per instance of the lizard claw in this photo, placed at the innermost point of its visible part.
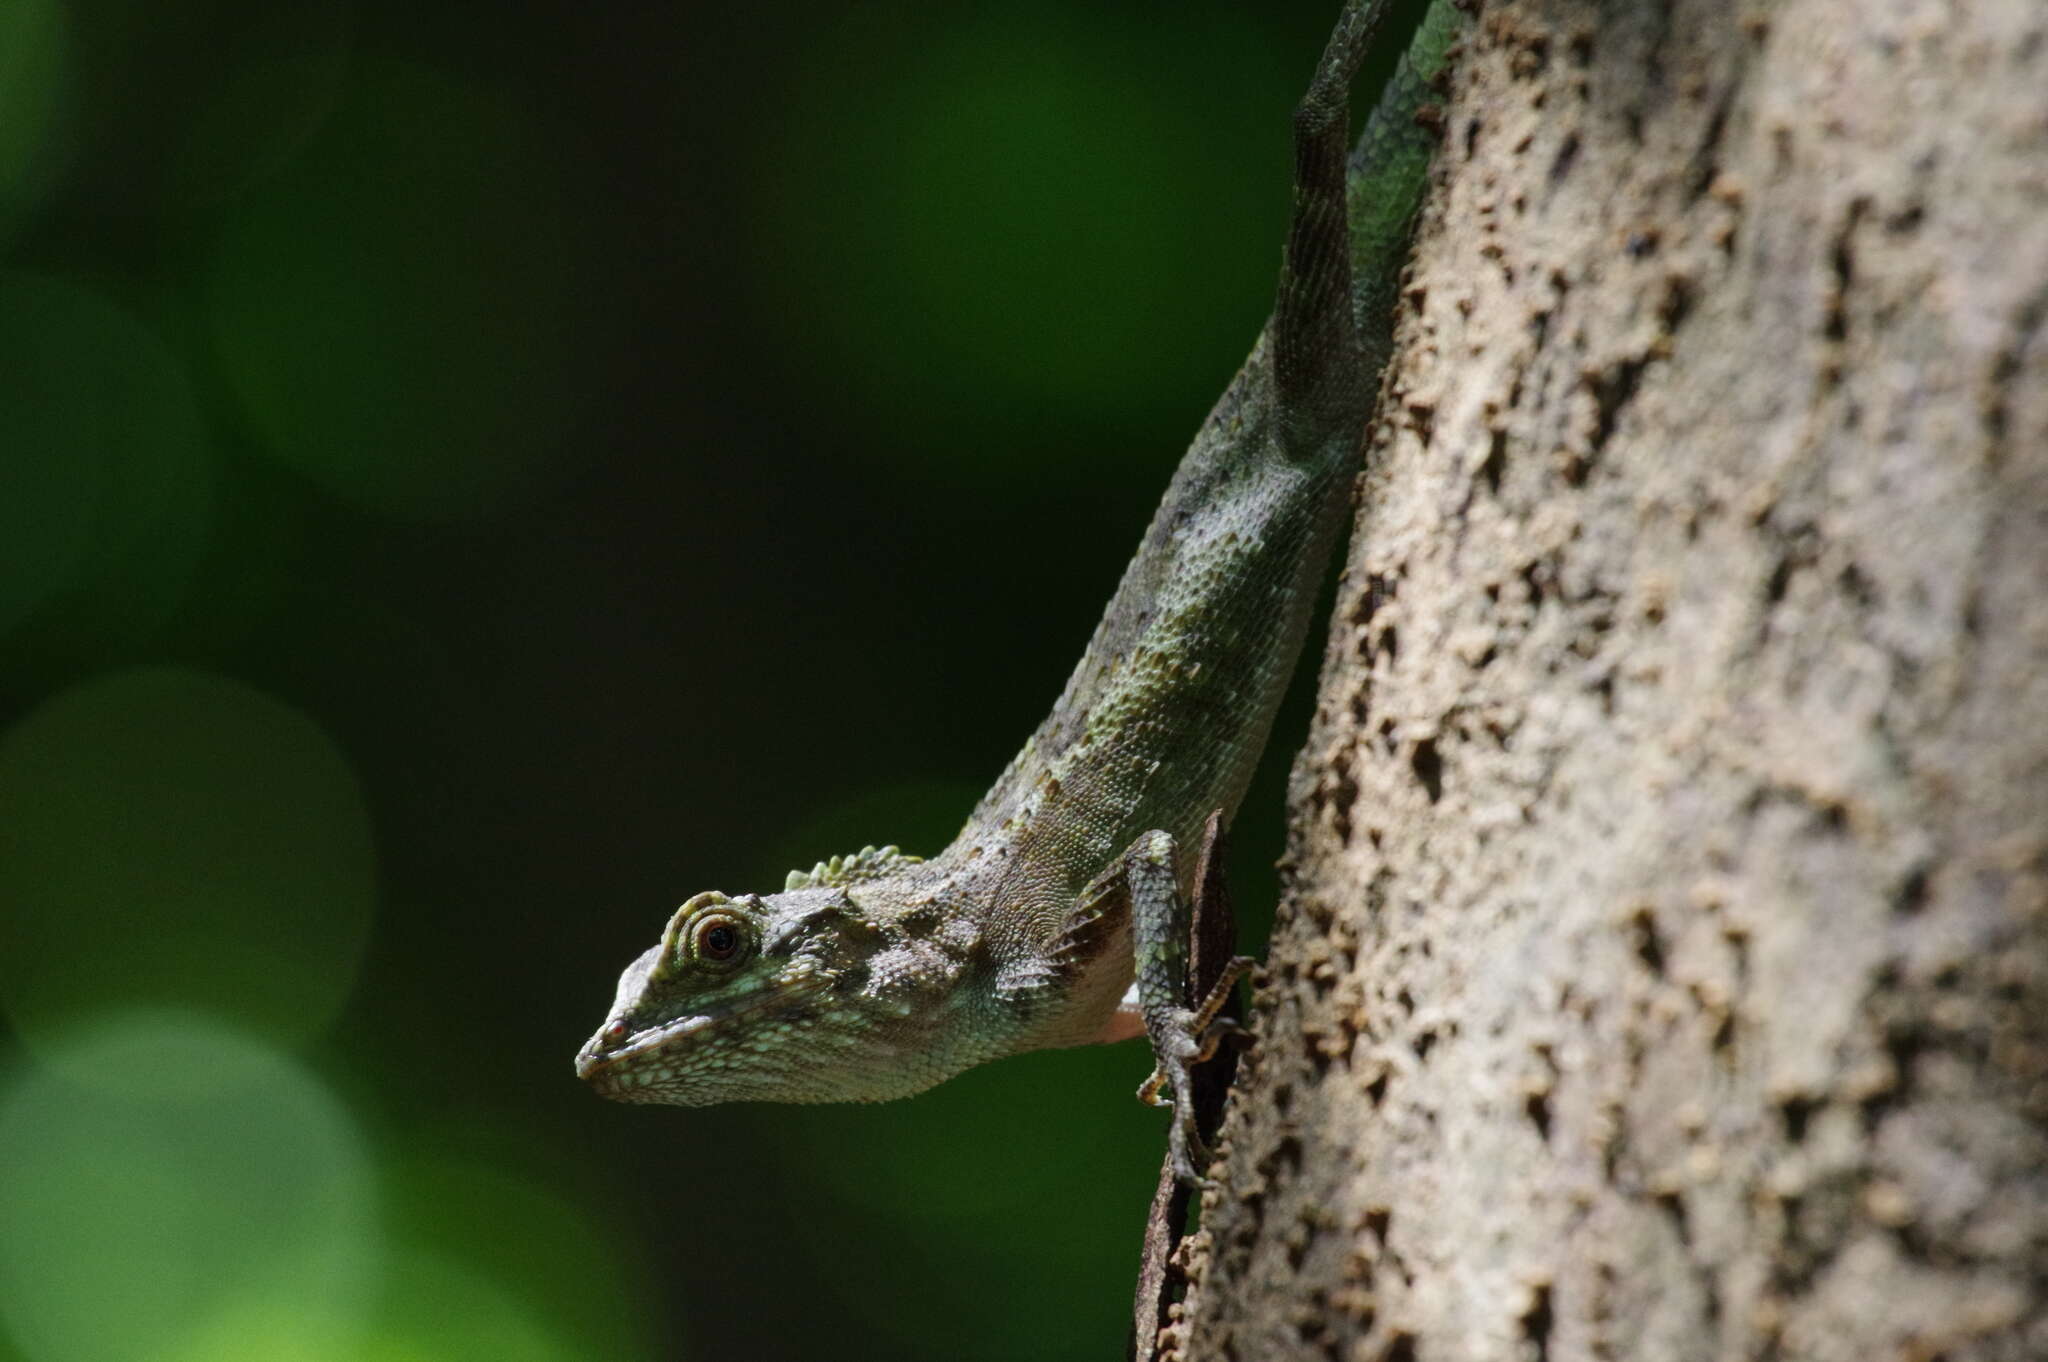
(1182, 1036)
(1190, 1155)
(1170, 1086)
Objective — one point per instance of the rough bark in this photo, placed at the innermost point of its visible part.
(1664, 966)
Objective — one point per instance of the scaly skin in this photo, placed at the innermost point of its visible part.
(878, 975)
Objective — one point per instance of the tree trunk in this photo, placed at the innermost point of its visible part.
(1664, 966)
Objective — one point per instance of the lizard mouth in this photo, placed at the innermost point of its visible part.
(637, 1066)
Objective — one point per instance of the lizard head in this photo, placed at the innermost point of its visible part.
(792, 997)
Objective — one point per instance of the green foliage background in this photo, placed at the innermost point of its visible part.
(474, 475)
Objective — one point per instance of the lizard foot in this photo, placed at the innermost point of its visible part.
(1175, 943)
(1187, 1038)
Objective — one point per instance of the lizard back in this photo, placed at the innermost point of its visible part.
(1166, 714)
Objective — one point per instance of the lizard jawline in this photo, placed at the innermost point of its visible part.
(612, 1074)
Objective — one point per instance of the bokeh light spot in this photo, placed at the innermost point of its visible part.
(284, 68)
(107, 494)
(438, 1309)
(394, 308)
(31, 67)
(1003, 235)
(195, 1172)
(171, 838)
(522, 1235)
(915, 1175)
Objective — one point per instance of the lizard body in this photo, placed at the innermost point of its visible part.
(877, 975)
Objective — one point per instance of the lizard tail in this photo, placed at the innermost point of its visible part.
(1316, 370)
(1388, 172)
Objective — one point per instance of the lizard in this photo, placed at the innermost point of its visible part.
(1058, 915)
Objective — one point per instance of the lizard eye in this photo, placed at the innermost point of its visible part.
(718, 939)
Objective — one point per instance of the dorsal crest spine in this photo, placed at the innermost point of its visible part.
(869, 863)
